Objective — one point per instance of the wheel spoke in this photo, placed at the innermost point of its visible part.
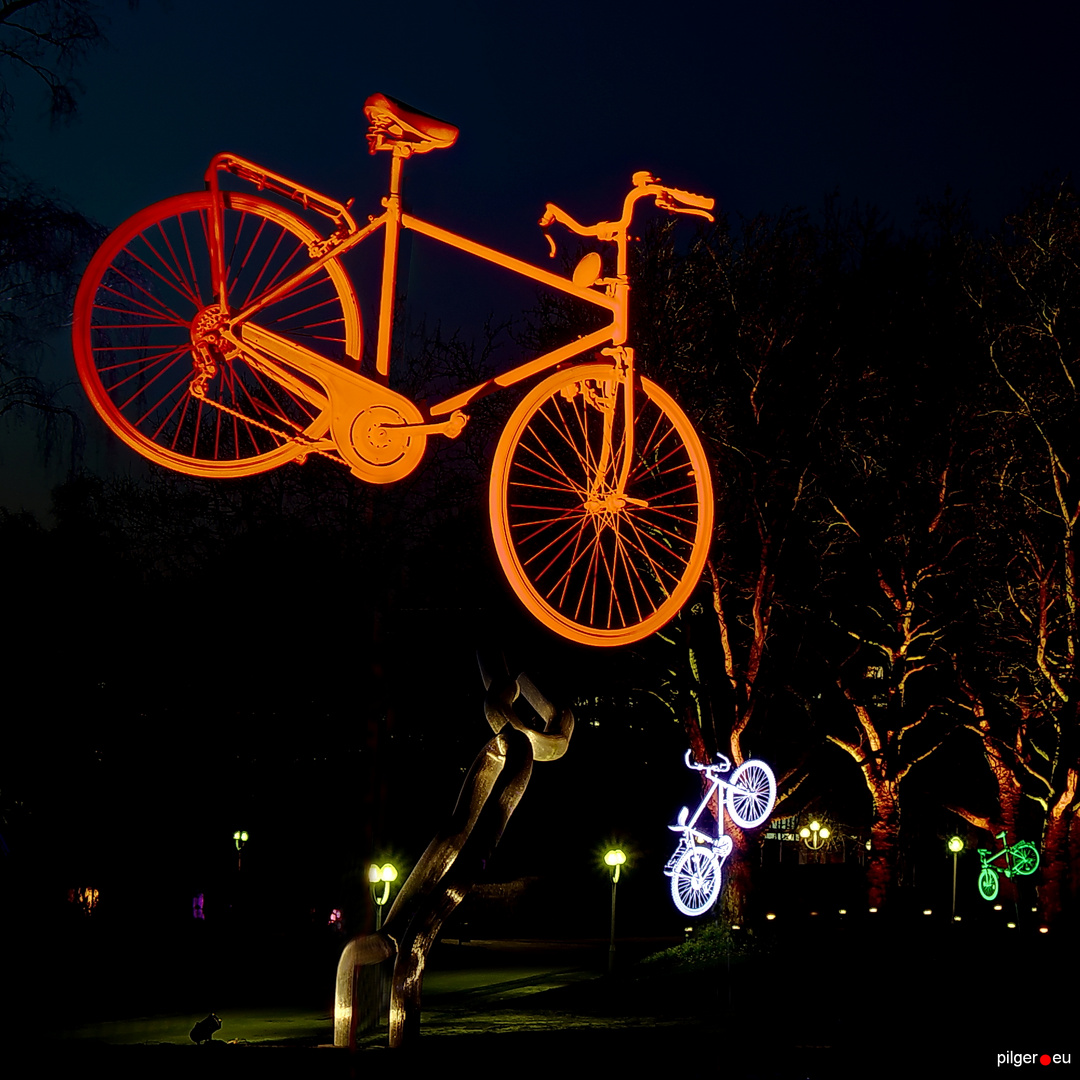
(589, 564)
(133, 334)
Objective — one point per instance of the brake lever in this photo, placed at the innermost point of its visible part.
(666, 202)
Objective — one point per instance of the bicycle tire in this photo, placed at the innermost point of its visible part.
(1025, 858)
(988, 883)
(696, 881)
(132, 325)
(751, 795)
(590, 570)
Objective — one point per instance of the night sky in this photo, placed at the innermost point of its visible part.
(761, 105)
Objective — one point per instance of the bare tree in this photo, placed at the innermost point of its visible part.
(45, 39)
(1027, 295)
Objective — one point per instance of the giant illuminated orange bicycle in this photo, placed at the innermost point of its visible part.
(218, 334)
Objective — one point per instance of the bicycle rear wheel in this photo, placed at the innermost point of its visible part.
(132, 334)
(593, 566)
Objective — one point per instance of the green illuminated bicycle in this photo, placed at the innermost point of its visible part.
(1020, 858)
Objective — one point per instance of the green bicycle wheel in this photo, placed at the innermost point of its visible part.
(1025, 858)
(988, 883)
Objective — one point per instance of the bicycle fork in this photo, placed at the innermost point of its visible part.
(603, 496)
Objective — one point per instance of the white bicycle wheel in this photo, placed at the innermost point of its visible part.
(752, 794)
(696, 881)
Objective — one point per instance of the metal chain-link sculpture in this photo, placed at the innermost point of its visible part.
(455, 857)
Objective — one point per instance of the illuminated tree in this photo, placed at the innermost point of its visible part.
(732, 325)
(1027, 296)
(895, 531)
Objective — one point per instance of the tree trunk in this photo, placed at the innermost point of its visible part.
(1056, 855)
(884, 844)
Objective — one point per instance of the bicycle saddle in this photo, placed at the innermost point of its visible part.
(393, 123)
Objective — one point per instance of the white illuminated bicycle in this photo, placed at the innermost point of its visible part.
(696, 867)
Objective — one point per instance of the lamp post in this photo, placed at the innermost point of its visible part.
(955, 845)
(240, 838)
(380, 877)
(614, 859)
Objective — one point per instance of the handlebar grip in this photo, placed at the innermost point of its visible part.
(690, 199)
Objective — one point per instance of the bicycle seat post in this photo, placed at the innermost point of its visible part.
(389, 269)
(405, 131)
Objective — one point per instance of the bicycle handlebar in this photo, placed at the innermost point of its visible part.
(723, 764)
(644, 185)
(690, 199)
(666, 196)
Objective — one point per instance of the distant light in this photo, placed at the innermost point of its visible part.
(956, 918)
(997, 907)
(928, 911)
(1011, 925)
(955, 844)
(873, 911)
(1044, 929)
(735, 926)
(813, 912)
(770, 916)
(843, 911)
(1034, 909)
(378, 873)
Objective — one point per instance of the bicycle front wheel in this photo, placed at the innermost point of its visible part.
(988, 883)
(752, 794)
(595, 565)
(132, 334)
(696, 881)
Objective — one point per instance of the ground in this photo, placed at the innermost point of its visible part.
(817, 1001)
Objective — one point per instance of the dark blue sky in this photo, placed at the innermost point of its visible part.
(762, 105)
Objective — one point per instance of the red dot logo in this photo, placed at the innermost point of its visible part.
(1045, 1059)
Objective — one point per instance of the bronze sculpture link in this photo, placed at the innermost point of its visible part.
(455, 857)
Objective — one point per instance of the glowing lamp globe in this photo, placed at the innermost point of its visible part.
(615, 858)
(956, 844)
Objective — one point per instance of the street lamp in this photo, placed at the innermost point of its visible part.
(240, 838)
(380, 876)
(816, 836)
(614, 859)
(955, 845)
